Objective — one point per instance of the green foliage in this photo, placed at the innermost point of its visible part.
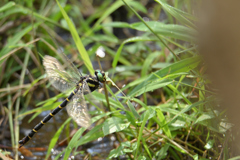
(77, 40)
(164, 110)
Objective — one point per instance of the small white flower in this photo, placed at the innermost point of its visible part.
(100, 52)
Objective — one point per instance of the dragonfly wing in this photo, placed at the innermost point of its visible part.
(70, 67)
(59, 78)
(78, 110)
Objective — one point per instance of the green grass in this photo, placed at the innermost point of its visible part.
(157, 61)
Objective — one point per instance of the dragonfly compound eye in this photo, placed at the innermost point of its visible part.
(100, 75)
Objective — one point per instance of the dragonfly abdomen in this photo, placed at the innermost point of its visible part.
(47, 118)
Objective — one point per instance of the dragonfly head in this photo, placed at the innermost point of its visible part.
(100, 75)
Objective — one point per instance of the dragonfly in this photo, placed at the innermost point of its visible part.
(64, 80)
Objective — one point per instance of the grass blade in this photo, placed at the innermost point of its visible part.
(77, 40)
(7, 6)
(55, 137)
(14, 40)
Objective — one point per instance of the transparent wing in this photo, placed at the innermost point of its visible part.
(58, 77)
(77, 108)
(70, 66)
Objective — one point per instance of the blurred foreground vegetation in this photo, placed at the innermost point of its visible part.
(167, 110)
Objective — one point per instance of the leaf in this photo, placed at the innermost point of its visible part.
(148, 62)
(138, 6)
(145, 118)
(189, 107)
(112, 100)
(77, 41)
(209, 144)
(170, 30)
(55, 137)
(178, 14)
(114, 124)
(120, 150)
(178, 67)
(117, 24)
(151, 86)
(18, 9)
(163, 123)
(195, 157)
(162, 153)
(205, 116)
(235, 158)
(178, 124)
(90, 136)
(146, 148)
(167, 108)
(132, 108)
(131, 118)
(129, 40)
(149, 113)
(7, 6)
(73, 142)
(14, 40)
(116, 152)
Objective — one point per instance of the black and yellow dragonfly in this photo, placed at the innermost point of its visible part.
(64, 80)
